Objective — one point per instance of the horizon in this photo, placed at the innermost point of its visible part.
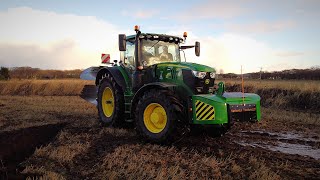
(271, 35)
(310, 68)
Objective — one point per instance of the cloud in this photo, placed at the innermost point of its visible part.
(65, 41)
(285, 14)
(230, 51)
(34, 55)
(145, 14)
(288, 7)
(288, 53)
(140, 14)
(50, 40)
(260, 26)
(215, 9)
(285, 64)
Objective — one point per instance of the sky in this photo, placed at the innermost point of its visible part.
(255, 34)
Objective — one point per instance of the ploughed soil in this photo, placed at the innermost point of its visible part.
(60, 137)
(17, 145)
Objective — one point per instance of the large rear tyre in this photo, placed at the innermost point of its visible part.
(110, 102)
(155, 116)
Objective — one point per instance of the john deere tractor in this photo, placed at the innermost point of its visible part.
(152, 87)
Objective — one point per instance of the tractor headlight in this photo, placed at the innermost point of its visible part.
(199, 74)
(212, 75)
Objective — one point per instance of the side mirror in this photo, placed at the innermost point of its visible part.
(197, 48)
(122, 42)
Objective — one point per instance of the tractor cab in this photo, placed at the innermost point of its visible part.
(141, 53)
(146, 49)
(152, 49)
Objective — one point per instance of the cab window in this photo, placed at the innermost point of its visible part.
(154, 51)
(129, 54)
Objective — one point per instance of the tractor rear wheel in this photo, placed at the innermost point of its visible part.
(155, 116)
(110, 102)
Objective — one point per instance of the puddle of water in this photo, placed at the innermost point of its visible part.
(252, 144)
(284, 136)
(287, 148)
(300, 149)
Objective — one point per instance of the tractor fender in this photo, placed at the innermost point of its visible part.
(146, 87)
(115, 73)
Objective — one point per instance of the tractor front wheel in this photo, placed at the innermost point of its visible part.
(155, 116)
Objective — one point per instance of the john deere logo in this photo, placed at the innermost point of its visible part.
(207, 81)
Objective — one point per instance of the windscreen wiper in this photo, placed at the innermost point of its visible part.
(153, 45)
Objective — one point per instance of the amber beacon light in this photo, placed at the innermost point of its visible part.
(136, 28)
(185, 34)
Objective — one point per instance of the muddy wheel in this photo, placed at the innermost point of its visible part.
(110, 102)
(155, 117)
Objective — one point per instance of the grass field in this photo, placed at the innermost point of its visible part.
(54, 134)
(56, 87)
(299, 95)
(65, 87)
(300, 85)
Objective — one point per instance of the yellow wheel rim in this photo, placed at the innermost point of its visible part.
(155, 117)
(107, 102)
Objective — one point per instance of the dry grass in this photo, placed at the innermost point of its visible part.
(301, 85)
(261, 171)
(69, 146)
(287, 95)
(84, 138)
(60, 87)
(280, 120)
(289, 117)
(22, 112)
(157, 162)
(291, 94)
(69, 87)
(277, 120)
(41, 174)
(85, 150)
(63, 153)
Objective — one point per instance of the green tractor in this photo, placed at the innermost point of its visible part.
(153, 88)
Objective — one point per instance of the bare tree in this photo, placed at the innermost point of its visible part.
(4, 73)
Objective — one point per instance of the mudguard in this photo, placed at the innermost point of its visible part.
(89, 92)
(146, 87)
(116, 73)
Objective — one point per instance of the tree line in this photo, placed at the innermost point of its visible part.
(37, 73)
(312, 73)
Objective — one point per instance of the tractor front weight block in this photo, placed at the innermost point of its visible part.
(226, 108)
